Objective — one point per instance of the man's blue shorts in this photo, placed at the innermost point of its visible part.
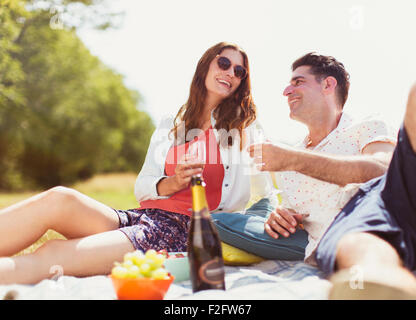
(384, 206)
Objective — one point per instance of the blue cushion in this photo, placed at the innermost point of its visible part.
(246, 232)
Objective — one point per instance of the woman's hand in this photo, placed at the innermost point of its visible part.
(283, 221)
(187, 167)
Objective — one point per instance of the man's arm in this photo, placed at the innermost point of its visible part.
(337, 169)
(340, 170)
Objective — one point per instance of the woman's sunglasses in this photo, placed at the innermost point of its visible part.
(224, 63)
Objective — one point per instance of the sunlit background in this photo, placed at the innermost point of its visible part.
(159, 43)
(65, 119)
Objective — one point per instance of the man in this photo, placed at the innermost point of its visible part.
(320, 176)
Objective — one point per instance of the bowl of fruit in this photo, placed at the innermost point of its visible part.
(141, 276)
(177, 264)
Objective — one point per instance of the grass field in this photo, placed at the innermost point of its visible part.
(114, 190)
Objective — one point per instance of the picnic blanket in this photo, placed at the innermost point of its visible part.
(271, 279)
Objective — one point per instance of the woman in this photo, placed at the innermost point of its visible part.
(220, 107)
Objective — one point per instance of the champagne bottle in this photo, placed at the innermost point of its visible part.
(204, 246)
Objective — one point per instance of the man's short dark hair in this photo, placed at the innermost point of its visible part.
(325, 66)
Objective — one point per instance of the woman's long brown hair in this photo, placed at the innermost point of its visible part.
(235, 112)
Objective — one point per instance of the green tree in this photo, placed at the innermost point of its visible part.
(69, 115)
(11, 99)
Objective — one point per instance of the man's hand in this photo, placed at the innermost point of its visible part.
(272, 157)
(283, 221)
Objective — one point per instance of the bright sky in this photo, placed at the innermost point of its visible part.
(160, 42)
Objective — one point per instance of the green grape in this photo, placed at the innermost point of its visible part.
(159, 274)
(157, 261)
(119, 272)
(138, 258)
(127, 264)
(145, 269)
(150, 253)
(129, 256)
(136, 264)
(134, 272)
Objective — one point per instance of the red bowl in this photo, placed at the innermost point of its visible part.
(141, 288)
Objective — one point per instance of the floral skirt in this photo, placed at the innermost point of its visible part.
(155, 229)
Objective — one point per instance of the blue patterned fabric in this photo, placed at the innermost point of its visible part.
(246, 232)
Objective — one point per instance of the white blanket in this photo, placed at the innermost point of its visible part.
(266, 280)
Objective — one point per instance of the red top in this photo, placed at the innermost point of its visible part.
(213, 174)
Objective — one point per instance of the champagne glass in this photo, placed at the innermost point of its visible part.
(260, 178)
(197, 150)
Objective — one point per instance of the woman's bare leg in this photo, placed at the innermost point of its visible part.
(92, 255)
(64, 210)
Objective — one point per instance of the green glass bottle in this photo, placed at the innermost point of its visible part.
(204, 246)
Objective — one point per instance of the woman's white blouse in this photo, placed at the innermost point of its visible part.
(240, 181)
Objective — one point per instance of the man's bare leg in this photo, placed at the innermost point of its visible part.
(369, 256)
(363, 260)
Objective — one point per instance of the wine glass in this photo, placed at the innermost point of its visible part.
(260, 178)
(197, 150)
